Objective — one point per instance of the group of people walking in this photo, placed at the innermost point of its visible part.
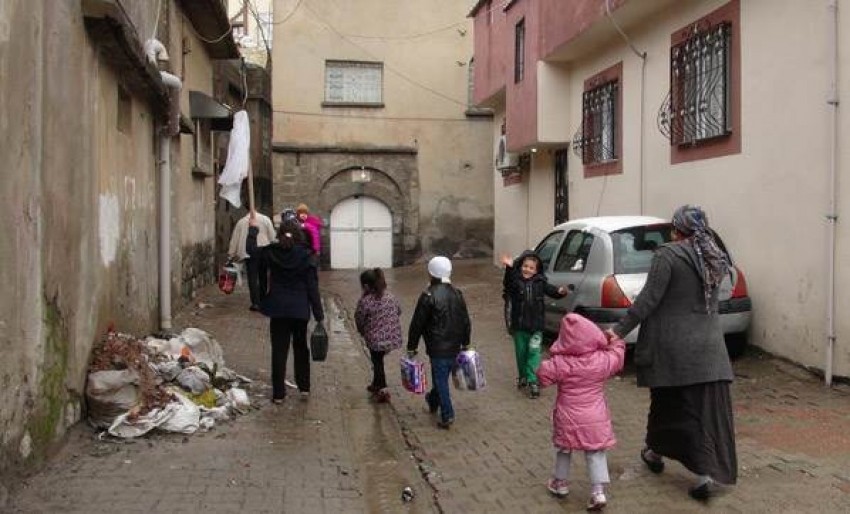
(679, 355)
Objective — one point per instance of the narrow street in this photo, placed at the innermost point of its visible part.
(337, 452)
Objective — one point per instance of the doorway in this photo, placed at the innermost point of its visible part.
(361, 234)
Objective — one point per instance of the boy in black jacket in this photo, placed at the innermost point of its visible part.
(526, 288)
(441, 318)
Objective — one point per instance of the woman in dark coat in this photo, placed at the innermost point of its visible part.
(289, 291)
(681, 357)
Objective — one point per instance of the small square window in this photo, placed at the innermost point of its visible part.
(354, 82)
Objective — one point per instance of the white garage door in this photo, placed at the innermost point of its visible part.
(361, 234)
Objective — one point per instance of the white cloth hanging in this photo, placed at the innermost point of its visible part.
(238, 160)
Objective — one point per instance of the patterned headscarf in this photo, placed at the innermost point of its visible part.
(692, 222)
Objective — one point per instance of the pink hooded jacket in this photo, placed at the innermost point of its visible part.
(580, 362)
(313, 225)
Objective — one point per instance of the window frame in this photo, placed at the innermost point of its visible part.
(345, 103)
(585, 243)
(612, 166)
(728, 143)
(519, 51)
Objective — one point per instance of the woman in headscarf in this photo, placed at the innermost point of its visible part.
(681, 357)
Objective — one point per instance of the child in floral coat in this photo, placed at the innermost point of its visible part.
(581, 361)
(378, 320)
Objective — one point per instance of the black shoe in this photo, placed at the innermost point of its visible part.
(700, 492)
(533, 391)
(656, 466)
(254, 308)
(432, 407)
(445, 424)
(521, 383)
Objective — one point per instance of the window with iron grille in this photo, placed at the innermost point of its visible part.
(353, 82)
(699, 79)
(599, 124)
(519, 50)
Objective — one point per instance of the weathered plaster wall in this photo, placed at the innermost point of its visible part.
(77, 242)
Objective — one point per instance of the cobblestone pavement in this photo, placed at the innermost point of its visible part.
(339, 453)
(793, 435)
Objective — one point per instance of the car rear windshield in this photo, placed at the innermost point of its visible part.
(634, 246)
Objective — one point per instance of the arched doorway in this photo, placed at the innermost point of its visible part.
(361, 234)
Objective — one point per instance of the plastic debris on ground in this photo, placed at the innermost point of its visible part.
(176, 385)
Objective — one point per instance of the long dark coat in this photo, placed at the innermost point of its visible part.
(679, 342)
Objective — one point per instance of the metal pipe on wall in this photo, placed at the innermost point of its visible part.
(165, 230)
(832, 215)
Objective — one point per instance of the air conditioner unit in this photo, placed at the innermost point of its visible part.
(506, 160)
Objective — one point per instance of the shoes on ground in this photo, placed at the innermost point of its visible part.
(704, 490)
(372, 389)
(521, 383)
(597, 502)
(432, 407)
(653, 462)
(382, 396)
(304, 395)
(445, 424)
(254, 308)
(278, 401)
(558, 487)
(533, 391)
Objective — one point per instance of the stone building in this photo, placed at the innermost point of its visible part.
(374, 131)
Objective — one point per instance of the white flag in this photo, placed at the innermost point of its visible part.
(238, 160)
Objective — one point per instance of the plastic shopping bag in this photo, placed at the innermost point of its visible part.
(413, 375)
(469, 372)
(227, 278)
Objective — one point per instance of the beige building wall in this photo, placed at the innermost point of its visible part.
(79, 245)
(425, 50)
(770, 201)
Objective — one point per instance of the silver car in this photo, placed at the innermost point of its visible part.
(604, 262)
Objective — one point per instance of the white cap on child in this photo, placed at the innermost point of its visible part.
(440, 267)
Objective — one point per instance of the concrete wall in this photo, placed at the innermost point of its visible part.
(79, 242)
(768, 200)
(425, 82)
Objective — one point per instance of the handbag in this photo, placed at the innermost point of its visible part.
(227, 277)
(319, 343)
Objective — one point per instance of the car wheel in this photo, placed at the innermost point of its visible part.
(736, 344)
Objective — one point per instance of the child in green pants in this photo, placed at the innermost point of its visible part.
(526, 287)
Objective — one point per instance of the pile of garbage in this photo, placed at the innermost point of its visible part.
(176, 385)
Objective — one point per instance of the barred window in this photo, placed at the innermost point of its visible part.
(699, 101)
(353, 82)
(599, 124)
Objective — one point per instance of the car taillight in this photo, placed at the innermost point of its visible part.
(740, 290)
(612, 294)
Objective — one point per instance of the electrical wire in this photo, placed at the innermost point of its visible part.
(211, 41)
(366, 117)
(156, 20)
(247, 4)
(411, 36)
(291, 13)
(387, 66)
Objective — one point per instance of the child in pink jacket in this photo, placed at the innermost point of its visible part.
(580, 361)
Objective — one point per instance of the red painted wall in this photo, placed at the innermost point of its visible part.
(562, 21)
(549, 24)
